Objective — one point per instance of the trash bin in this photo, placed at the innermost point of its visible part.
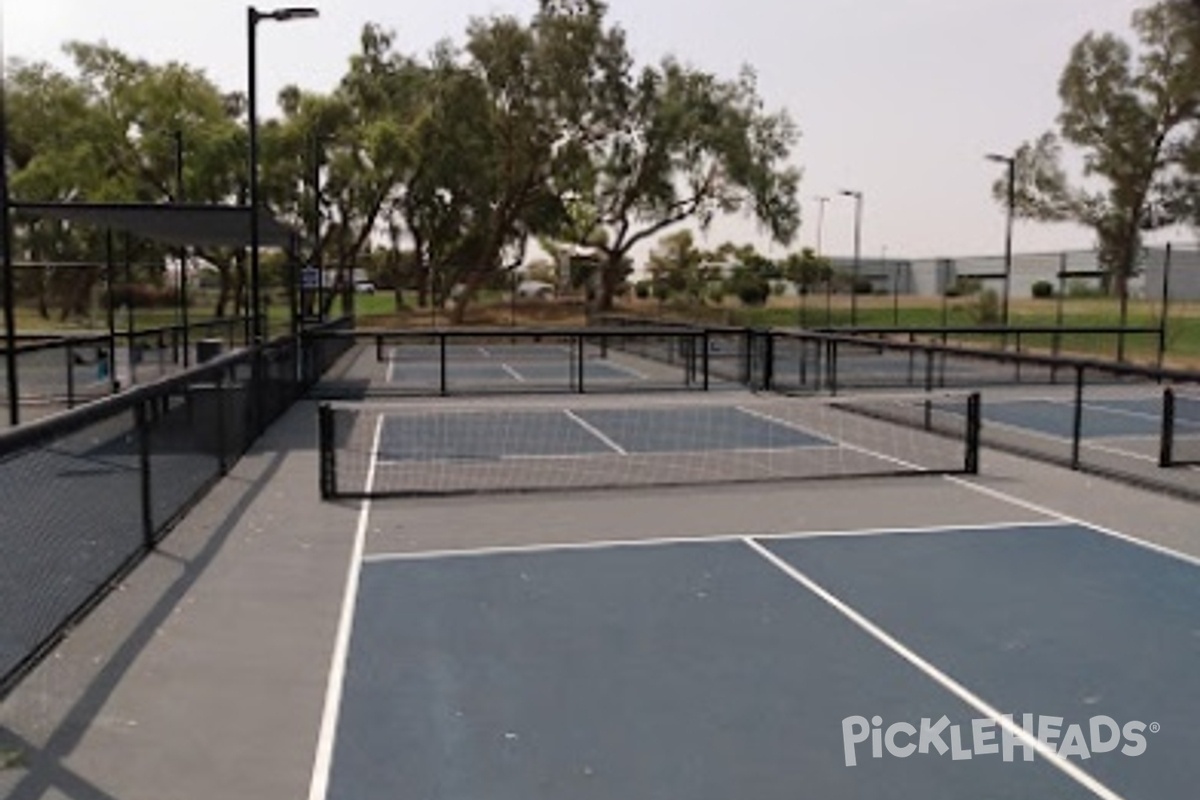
(208, 349)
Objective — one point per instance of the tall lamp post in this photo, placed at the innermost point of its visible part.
(821, 201)
(1011, 163)
(858, 214)
(253, 17)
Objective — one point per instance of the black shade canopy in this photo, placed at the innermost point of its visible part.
(180, 224)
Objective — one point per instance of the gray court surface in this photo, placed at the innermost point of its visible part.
(727, 668)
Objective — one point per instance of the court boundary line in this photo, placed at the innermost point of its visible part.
(512, 373)
(942, 679)
(1038, 508)
(335, 685)
(916, 468)
(603, 437)
(670, 541)
(712, 452)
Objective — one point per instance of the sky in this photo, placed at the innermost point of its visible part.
(898, 99)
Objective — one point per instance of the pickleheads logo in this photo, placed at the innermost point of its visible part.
(990, 737)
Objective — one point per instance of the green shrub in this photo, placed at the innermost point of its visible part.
(753, 293)
(1083, 289)
(641, 290)
(987, 307)
(1043, 289)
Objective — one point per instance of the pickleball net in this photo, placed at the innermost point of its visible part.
(401, 449)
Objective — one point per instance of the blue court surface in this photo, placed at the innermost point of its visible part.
(860, 665)
(1101, 418)
(491, 435)
(492, 373)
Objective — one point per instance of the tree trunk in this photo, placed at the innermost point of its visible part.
(610, 279)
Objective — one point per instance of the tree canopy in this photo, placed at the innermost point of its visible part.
(1132, 112)
(527, 130)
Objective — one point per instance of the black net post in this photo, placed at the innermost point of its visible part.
(328, 463)
(974, 425)
(379, 354)
(142, 426)
(705, 345)
(1166, 455)
(1077, 421)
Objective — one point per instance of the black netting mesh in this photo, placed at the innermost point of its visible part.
(85, 494)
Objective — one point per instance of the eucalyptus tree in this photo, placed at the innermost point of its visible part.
(1130, 111)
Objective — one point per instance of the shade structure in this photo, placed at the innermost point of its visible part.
(175, 224)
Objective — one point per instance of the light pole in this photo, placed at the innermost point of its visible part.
(821, 201)
(858, 214)
(1011, 163)
(253, 17)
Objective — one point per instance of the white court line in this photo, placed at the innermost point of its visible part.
(941, 678)
(711, 452)
(483, 351)
(1046, 510)
(512, 373)
(323, 761)
(620, 544)
(594, 431)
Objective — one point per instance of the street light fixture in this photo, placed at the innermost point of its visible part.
(858, 214)
(821, 201)
(1011, 163)
(253, 17)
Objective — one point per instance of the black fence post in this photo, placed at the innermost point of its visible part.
(974, 425)
(442, 363)
(578, 365)
(110, 279)
(142, 425)
(832, 365)
(328, 463)
(70, 374)
(768, 361)
(1077, 423)
(1168, 259)
(1166, 454)
(704, 344)
(222, 436)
